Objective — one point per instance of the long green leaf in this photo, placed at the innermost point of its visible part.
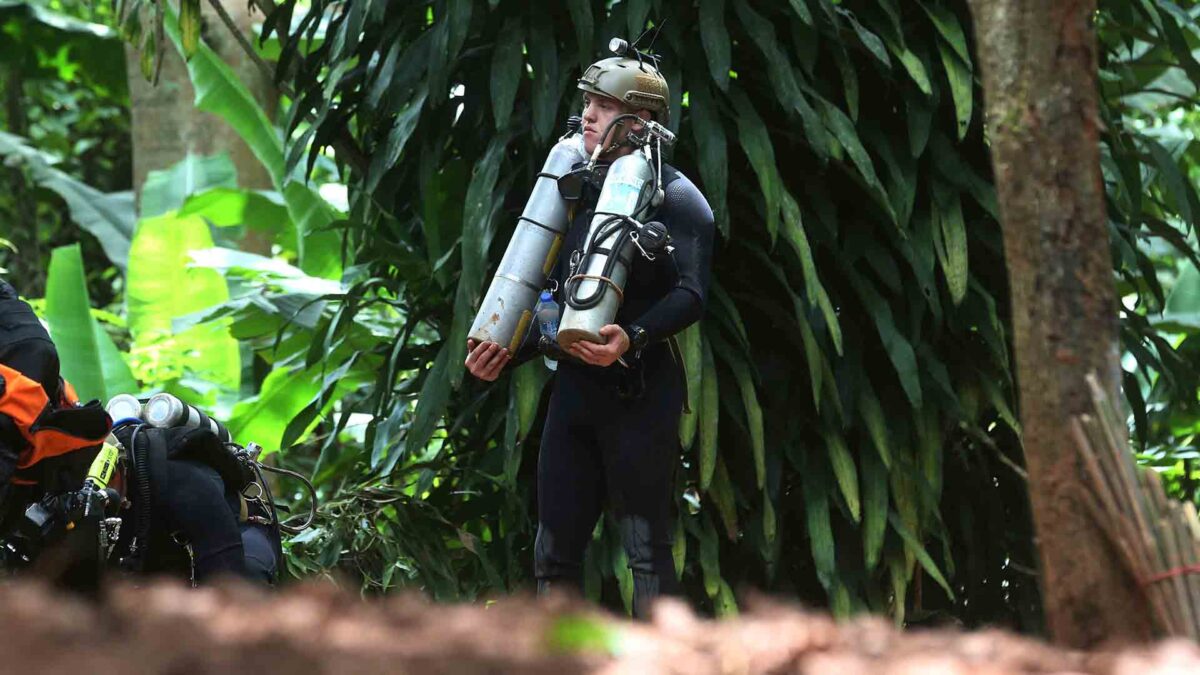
(715, 38)
(402, 129)
(543, 56)
(922, 556)
(875, 509)
(1177, 186)
(431, 404)
(709, 412)
(820, 531)
(476, 214)
(898, 348)
(844, 471)
(692, 352)
(958, 72)
(581, 18)
(528, 383)
(872, 416)
(506, 71)
(71, 323)
(721, 492)
(843, 130)
(756, 143)
(710, 561)
(754, 419)
(679, 548)
(948, 26)
(952, 254)
(725, 603)
(710, 140)
(870, 40)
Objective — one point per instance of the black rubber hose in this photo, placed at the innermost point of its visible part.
(141, 467)
(277, 539)
(312, 503)
(615, 221)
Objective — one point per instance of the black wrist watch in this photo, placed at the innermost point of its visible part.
(637, 338)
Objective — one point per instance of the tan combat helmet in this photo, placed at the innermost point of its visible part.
(633, 82)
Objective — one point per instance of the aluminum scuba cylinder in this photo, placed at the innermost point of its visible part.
(507, 309)
(164, 411)
(628, 190)
(124, 406)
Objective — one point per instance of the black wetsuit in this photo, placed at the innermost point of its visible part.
(614, 431)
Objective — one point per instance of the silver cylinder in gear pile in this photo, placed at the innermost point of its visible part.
(506, 312)
(628, 188)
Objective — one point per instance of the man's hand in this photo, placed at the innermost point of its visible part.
(486, 359)
(616, 343)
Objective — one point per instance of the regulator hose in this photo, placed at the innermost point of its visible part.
(614, 222)
(141, 464)
(626, 223)
(312, 504)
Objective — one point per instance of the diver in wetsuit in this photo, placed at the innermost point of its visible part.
(612, 425)
(48, 440)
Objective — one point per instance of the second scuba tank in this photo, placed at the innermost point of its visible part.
(164, 411)
(593, 290)
(507, 309)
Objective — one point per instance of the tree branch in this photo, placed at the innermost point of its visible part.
(344, 144)
(1167, 92)
(265, 67)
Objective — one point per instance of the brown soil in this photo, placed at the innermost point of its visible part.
(164, 628)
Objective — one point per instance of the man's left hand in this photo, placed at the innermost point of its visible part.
(616, 343)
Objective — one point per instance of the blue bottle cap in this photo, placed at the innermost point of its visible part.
(546, 296)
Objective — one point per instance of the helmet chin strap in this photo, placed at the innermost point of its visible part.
(612, 130)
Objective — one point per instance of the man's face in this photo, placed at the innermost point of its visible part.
(598, 111)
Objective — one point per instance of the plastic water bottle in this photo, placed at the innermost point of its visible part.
(546, 315)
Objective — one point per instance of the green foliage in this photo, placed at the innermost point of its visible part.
(890, 280)
(64, 113)
(852, 429)
(90, 360)
(1151, 162)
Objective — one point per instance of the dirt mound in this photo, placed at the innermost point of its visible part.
(164, 628)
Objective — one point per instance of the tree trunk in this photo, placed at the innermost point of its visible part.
(166, 126)
(1038, 61)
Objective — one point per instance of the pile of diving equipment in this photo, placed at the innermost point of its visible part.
(630, 189)
(110, 523)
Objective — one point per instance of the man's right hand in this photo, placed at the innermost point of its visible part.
(485, 360)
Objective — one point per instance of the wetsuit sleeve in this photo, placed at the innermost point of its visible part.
(689, 220)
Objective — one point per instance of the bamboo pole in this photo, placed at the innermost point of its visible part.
(1158, 538)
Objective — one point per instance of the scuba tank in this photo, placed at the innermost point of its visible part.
(507, 308)
(124, 406)
(593, 291)
(164, 411)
